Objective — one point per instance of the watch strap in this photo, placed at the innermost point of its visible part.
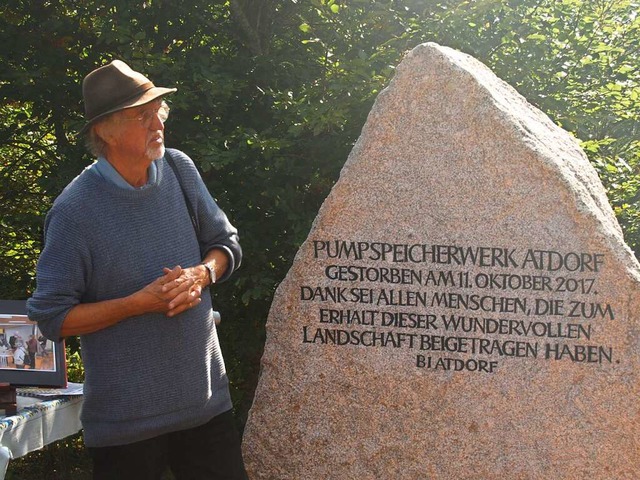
(212, 272)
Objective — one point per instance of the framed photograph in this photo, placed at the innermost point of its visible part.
(27, 358)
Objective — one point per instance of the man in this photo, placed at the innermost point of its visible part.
(32, 350)
(124, 268)
(19, 355)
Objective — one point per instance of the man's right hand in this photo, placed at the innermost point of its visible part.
(172, 293)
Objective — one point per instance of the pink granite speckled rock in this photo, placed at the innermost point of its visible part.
(464, 307)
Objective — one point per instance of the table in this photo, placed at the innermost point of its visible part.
(37, 423)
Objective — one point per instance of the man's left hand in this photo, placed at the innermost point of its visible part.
(185, 300)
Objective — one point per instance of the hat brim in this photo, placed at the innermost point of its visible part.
(148, 96)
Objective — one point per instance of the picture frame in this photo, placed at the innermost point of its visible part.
(23, 363)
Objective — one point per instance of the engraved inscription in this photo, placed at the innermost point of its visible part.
(458, 308)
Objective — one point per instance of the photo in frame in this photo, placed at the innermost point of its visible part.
(27, 358)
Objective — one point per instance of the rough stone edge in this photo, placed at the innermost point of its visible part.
(581, 180)
(596, 205)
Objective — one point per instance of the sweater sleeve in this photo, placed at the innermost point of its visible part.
(215, 230)
(61, 274)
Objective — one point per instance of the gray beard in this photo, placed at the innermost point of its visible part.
(154, 153)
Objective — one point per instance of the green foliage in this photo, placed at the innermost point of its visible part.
(75, 368)
(272, 94)
(574, 59)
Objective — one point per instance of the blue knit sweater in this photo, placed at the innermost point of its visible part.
(150, 374)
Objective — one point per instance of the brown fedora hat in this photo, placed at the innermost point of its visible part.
(115, 87)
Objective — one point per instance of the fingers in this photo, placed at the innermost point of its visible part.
(180, 290)
(184, 301)
(174, 282)
(186, 295)
(183, 307)
(171, 274)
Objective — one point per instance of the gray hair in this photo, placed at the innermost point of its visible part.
(94, 142)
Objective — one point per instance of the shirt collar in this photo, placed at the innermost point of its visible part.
(103, 168)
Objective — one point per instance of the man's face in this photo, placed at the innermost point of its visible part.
(138, 133)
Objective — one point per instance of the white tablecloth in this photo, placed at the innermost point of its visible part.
(37, 423)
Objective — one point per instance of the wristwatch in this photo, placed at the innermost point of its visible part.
(212, 272)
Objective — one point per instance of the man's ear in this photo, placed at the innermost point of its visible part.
(105, 131)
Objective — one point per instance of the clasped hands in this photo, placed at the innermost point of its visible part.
(179, 289)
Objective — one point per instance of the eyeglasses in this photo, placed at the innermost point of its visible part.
(147, 117)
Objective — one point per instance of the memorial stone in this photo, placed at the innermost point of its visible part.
(464, 306)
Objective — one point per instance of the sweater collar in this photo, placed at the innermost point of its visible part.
(105, 170)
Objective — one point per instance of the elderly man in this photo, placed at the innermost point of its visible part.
(125, 268)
